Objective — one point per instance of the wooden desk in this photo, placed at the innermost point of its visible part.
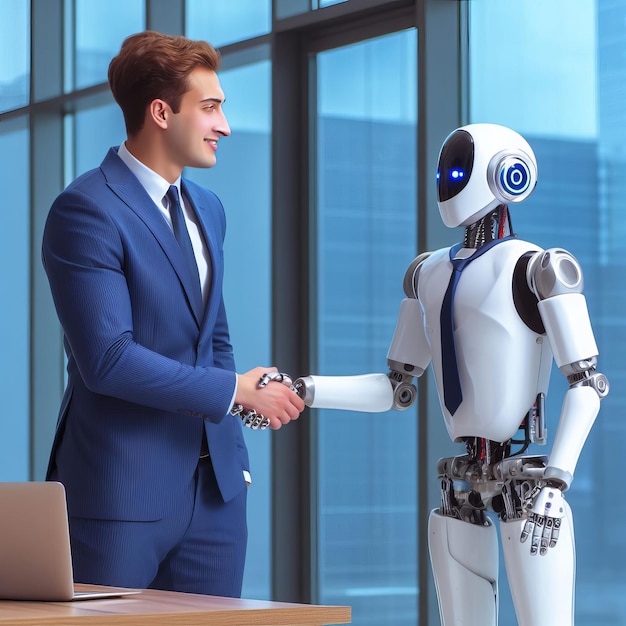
(152, 607)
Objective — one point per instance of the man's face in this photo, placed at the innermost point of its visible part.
(193, 132)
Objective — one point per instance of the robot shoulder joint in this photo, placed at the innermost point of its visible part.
(554, 272)
(411, 276)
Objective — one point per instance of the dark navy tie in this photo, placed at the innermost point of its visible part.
(182, 236)
(452, 394)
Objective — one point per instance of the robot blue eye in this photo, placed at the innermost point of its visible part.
(456, 163)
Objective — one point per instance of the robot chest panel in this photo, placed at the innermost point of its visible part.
(500, 360)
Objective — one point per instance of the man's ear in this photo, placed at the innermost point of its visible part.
(159, 111)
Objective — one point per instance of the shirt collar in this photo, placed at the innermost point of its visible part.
(155, 185)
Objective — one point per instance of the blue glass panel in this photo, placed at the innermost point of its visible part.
(366, 238)
(96, 130)
(14, 313)
(14, 54)
(242, 180)
(222, 23)
(563, 89)
(289, 8)
(101, 27)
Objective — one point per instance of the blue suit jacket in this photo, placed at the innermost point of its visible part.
(146, 371)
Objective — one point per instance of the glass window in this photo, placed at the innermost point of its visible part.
(366, 237)
(242, 180)
(14, 55)
(222, 23)
(14, 314)
(100, 29)
(94, 132)
(288, 8)
(563, 89)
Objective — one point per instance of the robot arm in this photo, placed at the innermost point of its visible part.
(372, 393)
(408, 356)
(556, 279)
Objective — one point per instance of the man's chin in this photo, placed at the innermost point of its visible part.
(203, 163)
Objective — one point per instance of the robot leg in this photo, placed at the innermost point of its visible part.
(464, 559)
(542, 586)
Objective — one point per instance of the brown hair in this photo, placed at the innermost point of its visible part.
(150, 66)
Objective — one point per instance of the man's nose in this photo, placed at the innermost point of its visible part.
(223, 128)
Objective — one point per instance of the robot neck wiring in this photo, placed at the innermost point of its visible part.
(487, 228)
(503, 220)
(508, 217)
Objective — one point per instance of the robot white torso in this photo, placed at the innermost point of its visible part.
(488, 330)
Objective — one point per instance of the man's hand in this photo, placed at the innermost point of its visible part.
(546, 509)
(277, 402)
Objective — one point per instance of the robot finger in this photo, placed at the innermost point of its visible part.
(250, 418)
(555, 532)
(259, 422)
(279, 377)
(537, 533)
(528, 528)
(546, 536)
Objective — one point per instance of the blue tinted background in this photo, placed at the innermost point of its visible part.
(563, 88)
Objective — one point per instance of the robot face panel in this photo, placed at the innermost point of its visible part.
(455, 165)
(480, 167)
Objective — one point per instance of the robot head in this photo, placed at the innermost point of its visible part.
(482, 166)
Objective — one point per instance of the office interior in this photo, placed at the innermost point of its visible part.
(338, 109)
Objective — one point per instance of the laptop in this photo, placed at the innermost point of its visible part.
(35, 557)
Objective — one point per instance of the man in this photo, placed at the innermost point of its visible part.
(154, 465)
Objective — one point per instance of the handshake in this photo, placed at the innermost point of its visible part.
(255, 419)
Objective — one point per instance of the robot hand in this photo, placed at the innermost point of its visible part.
(545, 512)
(249, 417)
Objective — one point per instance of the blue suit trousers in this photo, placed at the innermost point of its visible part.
(194, 548)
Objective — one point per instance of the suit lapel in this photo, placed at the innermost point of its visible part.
(129, 190)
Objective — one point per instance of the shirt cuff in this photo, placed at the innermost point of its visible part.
(232, 400)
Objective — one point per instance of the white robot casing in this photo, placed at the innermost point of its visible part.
(516, 308)
(480, 167)
(497, 394)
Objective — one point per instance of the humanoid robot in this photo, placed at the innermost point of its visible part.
(490, 315)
